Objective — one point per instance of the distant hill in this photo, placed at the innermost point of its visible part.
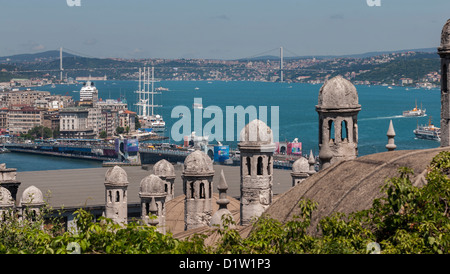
(34, 57)
(358, 55)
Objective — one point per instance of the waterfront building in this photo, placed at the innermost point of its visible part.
(74, 123)
(127, 119)
(51, 120)
(22, 97)
(111, 104)
(95, 120)
(3, 120)
(23, 118)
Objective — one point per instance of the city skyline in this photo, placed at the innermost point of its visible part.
(226, 30)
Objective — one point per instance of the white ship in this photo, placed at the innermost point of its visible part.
(146, 92)
(428, 132)
(88, 92)
(415, 112)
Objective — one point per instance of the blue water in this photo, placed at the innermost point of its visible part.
(296, 102)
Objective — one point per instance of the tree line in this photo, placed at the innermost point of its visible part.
(405, 220)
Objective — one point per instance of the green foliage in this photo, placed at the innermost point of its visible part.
(120, 130)
(38, 132)
(406, 219)
(103, 134)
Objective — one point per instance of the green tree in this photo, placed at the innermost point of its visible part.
(406, 219)
(137, 124)
(120, 130)
(103, 134)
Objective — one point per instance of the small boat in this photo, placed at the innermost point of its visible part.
(428, 132)
(197, 105)
(415, 112)
(197, 88)
(161, 89)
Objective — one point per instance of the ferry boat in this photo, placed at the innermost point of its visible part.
(429, 132)
(415, 112)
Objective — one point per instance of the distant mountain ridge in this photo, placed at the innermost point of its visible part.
(357, 55)
(33, 57)
(54, 55)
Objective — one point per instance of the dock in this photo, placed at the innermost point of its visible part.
(108, 155)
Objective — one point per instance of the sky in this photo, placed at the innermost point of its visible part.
(219, 29)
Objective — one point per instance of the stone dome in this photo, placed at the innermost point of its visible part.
(216, 219)
(350, 186)
(152, 185)
(301, 165)
(164, 168)
(5, 198)
(256, 133)
(445, 36)
(337, 93)
(198, 163)
(116, 176)
(32, 196)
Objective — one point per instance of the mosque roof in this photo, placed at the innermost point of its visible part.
(32, 196)
(256, 133)
(350, 186)
(164, 168)
(445, 37)
(152, 185)
(198, 163)
(338, 93)
(116, 176)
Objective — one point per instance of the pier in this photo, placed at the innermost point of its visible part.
(108, 155)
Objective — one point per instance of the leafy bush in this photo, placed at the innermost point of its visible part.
(407, 219)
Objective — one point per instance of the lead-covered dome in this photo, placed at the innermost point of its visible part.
(32, 196)
(445, 37)
(116, 176)
(337, 93)
(6, 199)
(301, 165)
(164, 168)
(198, 163)
(152, 185)
(256, 133)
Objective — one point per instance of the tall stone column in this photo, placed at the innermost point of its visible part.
(153, 202)
(197, 179)
(338, 110)
(116, 201)
(257, 148)
(444, 53)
